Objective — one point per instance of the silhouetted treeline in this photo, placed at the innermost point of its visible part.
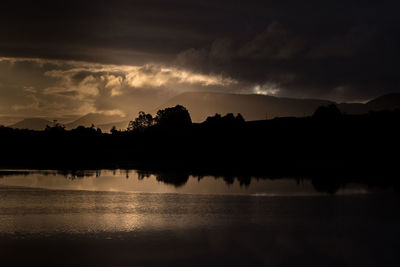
(329, 141)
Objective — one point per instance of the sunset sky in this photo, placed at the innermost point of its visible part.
(66, 58)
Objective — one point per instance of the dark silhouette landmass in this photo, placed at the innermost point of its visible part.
(261, 107)
(204, 104)
(331, 143)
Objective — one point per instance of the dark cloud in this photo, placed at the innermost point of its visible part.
(59, 88)
(342, 50)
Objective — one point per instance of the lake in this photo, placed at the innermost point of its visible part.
(128, 217)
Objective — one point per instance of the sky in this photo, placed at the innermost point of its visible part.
(69, 58)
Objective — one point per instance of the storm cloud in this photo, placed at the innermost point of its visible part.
(48, 87)
(139, 53)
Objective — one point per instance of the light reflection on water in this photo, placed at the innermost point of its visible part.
(135, 181)
(128, 201)
(24, 210)
(96, 217)
(39, 211)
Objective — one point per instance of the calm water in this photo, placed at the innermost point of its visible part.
(267, 222)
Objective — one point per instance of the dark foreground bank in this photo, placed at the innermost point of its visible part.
(329, 148)
(327, 141)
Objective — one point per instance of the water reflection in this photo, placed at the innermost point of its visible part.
(103, 212)
(171, 182)
(43, 211)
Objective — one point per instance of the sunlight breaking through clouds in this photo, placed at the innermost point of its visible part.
(74, 87)
(266, 89)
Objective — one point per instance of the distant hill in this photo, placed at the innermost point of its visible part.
(389, 101)
(252, 107)
(102, 121)
(31, 124)
(204, 104)
(9, 120)
(96, 119)
(260, 107)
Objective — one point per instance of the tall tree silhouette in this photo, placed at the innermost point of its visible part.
(142, 122)
(174, 117)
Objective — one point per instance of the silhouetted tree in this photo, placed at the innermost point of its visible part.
(142, 122)
(213, 120)
(82, 130)
(239, 118)
(227, 120)
(114, 130)
(175, 117)
(327, 112)
(57, 128)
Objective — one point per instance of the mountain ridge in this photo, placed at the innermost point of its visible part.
(95, 119)
(204, 104)
(260, 107)
(36, 124)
